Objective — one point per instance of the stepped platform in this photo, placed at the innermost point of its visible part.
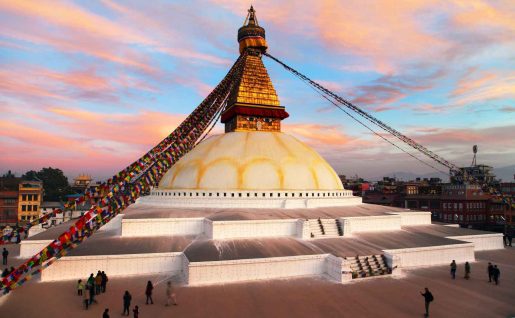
(211, 246)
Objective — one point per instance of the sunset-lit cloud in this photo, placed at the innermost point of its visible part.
(89, 86)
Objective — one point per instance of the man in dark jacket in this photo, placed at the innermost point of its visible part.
(428, 298)
(106, 313)
(453, 269)
(496, 274)
(467, 270)
(104, 282)
(490, 270)
(126, 302)
(5, 253)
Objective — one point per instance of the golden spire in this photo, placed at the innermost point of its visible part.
(253, 104)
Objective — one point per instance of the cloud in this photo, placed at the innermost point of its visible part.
(82, 140)
(507, 109)
(30, 82)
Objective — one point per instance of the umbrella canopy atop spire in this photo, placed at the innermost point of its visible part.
(251, 35)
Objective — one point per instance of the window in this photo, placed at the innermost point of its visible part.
(10, 201)
(24, 197)
(34, 208)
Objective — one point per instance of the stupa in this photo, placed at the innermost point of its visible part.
(253, 164)
(256, 203)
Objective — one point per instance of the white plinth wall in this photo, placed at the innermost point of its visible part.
(202, 273)
(76, 267)
(432, 255)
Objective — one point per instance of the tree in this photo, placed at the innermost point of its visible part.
(55, 183)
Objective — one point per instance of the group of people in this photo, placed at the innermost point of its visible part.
(493, 274)
(127, 297)
(95, 285)
(493, 271)
(7, 271)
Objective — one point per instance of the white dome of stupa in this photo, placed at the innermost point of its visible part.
(247, 160)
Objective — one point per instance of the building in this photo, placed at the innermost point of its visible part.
(30, 196)
(482, 173)
(9, 186)
(81, 182)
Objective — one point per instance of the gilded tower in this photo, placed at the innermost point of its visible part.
(253, 105)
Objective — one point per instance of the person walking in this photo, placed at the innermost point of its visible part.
(92, 293)
(106, 313)
(490, 270)
(467, 270)
(428, 298)
(5, 253)
(135, 311)
(104, 281)
(98, 283)
(80, 287)
(126, 302)
(453, 269)
(170, 294)
(496, 274)
(85, 300)
(90, 282)
(148, 292)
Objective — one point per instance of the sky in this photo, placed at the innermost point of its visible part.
(90, 86)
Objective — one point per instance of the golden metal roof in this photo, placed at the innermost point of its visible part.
(255, 87)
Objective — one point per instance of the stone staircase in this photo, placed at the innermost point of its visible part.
(322, 228)
(325, 228)
(330, 228)
(368, 266)
(315, 228)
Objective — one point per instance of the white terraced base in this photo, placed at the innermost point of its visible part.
(225, 271)
(263, 199)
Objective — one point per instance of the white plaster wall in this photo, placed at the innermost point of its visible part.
(334, 268)
(303, 227)
(255, 228)
(483, 242)
(162, 226)
(433, 255)
(114, 224)
(414, 218)
(79, 267)
(371, 223)
(208, 228)
(201, 273)
(30, 247)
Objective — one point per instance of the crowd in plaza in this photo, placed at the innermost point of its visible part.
(97, 285)
(493, 271)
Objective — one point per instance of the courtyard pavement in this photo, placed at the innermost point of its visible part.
(303, 297)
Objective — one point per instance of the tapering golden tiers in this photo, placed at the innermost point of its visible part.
(251, 35)
(254, 104)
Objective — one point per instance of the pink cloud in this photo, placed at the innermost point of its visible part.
(76, 139)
